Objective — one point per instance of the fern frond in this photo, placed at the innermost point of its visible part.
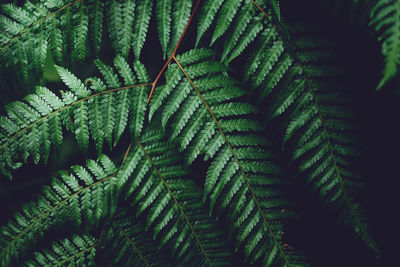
(80, 198)
(127, 243)
(120, 20)
(180, 17)
(78, 250)
(141, 25)
(385, 18)
(80, 34)
(154, 180)
(317, 125)
(96, 26)
(67, 31)
(28, 124)
(242, 178)
(36, 30)
(238, 19)
(163, 15)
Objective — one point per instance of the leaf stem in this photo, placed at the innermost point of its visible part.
(176, 202)
(67, 106)
(173, 52)
(269, 227)
(73, 256)
(133, 245)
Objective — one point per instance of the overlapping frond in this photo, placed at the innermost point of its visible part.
(68, 31)
(319, 128)
(385, 18)
(81, 197)
(127, 243)
(94, 108)
(165, 218)
(172, 17)
(239, 20)
(56, 27)
(77, 250)
(242, 177)
(154, 180)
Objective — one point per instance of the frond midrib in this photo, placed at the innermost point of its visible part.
(73, 256)
(55, 207)
(66, 107)
(325, 132)
(133, 245)
(286, 259)
(176, 203)
(331, 151)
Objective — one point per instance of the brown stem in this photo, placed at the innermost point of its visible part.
(173, 52)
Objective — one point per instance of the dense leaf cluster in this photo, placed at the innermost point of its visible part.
(150, 206)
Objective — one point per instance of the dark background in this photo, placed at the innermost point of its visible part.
(326, 242)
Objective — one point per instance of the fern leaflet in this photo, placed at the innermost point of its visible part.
(43, 114)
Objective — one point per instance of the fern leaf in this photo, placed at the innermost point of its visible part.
(115, 24)
(172, 203)
(180, 17)
(76, 250)
(128, 244)
(96, 25)
(190, 122)
(128, 18)
(163, 13)
(120, 21)
(80, 34)
(243, 19)
(59, 204)
(139, 105)
(208, 12)
(35, 29)
(228, 12)
(315, 122)
(96, 124)
(81, 127)
(44, 113)
(385, 18)
(141, 25)
(76, 85)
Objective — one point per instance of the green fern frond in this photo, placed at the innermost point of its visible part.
(80, 198)
(36, 30)
(238, 19)
(385, 18)
(154, 179)
(242, 178)
(164, 19)
(127, 243)
(28, 124)
(318, 129)
(141, 24)
(66, 31)
(121, 17)
(180, 17)
(77, 250)
(96, 26)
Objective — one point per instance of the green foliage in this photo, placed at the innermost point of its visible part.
(172, 204)
(385, 18)
(78, 250)
(80, 198)
(242, 177)
(204, 171)
(33, 127)
(318, 127)
(128, 244)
